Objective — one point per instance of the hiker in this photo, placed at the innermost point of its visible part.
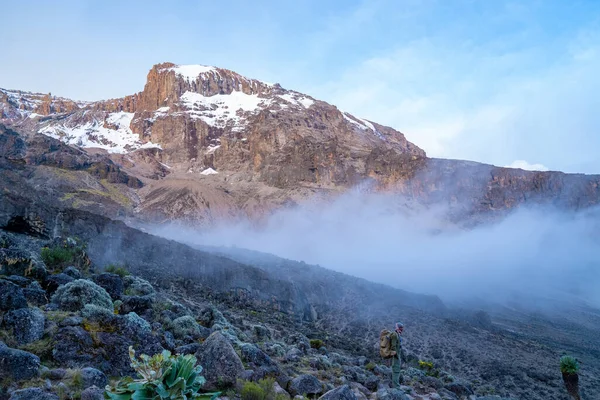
(397, 359)
(390, 348)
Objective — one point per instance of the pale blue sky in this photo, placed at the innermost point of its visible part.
(491, 81)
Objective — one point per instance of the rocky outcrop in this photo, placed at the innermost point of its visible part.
(222, 366)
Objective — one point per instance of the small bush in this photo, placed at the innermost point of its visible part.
(162, 376)
(135, 286)
(252, 391)
(569, 365)
(185, 326)
(56, 256)
(120, 270)
(92, 312)
(261, 390)
(316, 343)
(75, 295)
(370, 366)
(137, 324)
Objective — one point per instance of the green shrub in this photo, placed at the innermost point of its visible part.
(76, 294)
(252, 391)
(120, 270)
(56, 256)
(569, 365)
(427, 366)
(261, 390)
(370, 366)
(185, 326)
(316, 343)
(162, 376)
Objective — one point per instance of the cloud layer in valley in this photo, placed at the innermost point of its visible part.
(541, 254)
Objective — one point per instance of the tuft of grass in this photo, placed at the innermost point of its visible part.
(569, 365)
(120, 270)
(316, 343)
(370, 366)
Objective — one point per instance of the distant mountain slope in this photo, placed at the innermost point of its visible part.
(209, 144)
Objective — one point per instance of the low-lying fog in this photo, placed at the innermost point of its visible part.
(533, 253)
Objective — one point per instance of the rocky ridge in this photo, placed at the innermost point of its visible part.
(209, 144)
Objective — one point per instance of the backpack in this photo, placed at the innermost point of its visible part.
(385, 344)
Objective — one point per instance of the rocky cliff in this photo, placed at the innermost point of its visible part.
(210, 144)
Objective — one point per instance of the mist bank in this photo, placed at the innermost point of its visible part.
(534, 255)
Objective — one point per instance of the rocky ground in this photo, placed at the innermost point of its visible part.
(67, 323)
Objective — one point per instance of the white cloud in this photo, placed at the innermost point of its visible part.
(522, 164)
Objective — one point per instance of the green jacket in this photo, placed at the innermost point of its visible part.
(397, 344)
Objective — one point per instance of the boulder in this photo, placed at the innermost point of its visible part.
(112, 283)
(340, 393)
(72, 272)
(305, 385)
(93, 377)
(92, 393)
(27, 324)
(18, 364)
(20, 262)
(391, 394)
(221, 364)
(53, 282)
(136, 304)
(35, 294)
(11, 296)
(32, 394)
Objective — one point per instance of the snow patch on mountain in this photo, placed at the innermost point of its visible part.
(362, 124)
(223, 109)
(191, 72)
(95, 134)
(297, 99)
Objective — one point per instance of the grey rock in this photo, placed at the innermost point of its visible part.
(304, 385)
(32, 394)
(372, 383)
(459, 388)
(93, 377)
(391, 394)
(293, 355)
(11, 296)
(71, 321)
(53, 282)
(252, 354)
(35, 295)
(20, 262)
(18, 364)
(222, 366)
(72, 272)
(447, 395)
(168, 341)
(191, 348)
(340, 393)
(56, 374)
(27, 324)
(112, 283)
(18, 280)
(92, 393)
(136, 304)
